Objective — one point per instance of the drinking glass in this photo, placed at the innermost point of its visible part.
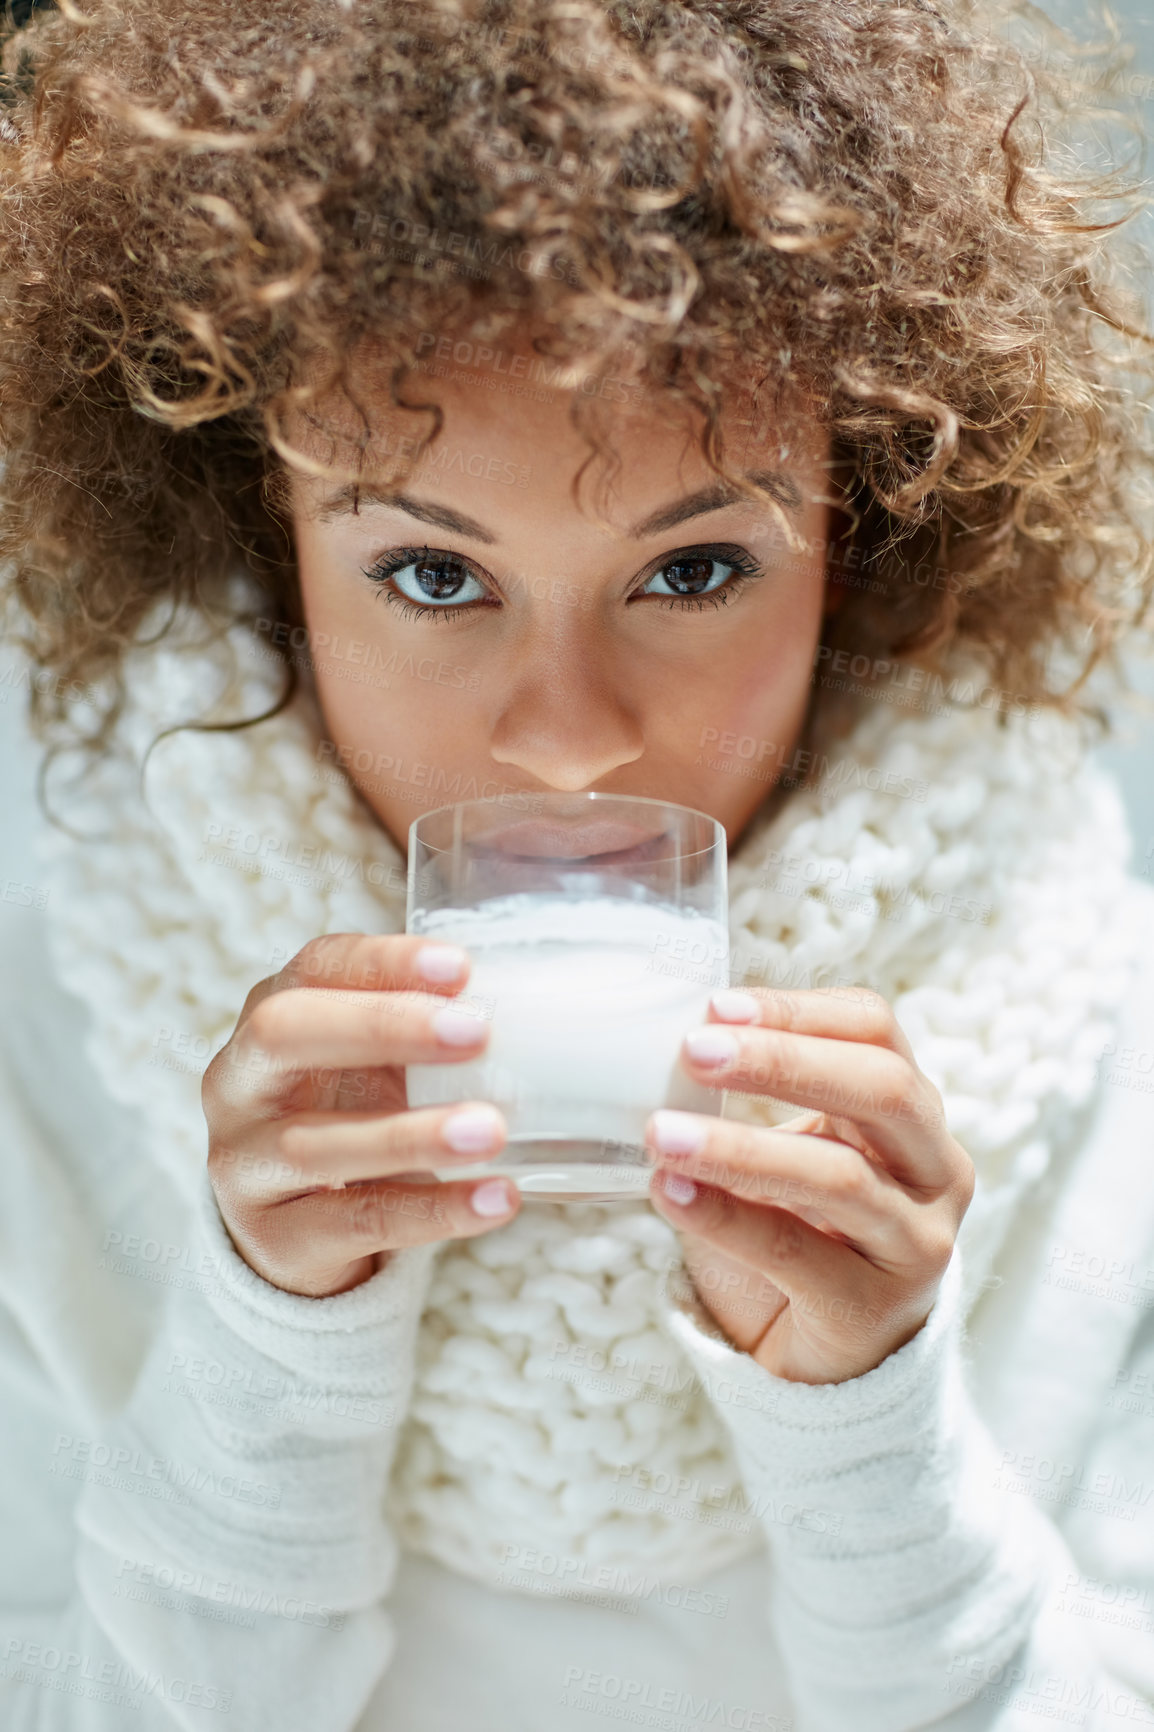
(597, 927)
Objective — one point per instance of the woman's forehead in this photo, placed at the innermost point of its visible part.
(498, 390)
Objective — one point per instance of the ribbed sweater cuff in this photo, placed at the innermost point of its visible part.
(261, 1428)
(345, 1339)
(804, 1427)
(893, 1559)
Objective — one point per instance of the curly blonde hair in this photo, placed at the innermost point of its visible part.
(869, 200)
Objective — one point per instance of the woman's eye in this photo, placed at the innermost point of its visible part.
(425, 584)
(702, 573)
(432, 583)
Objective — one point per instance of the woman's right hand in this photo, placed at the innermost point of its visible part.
(309, 1132)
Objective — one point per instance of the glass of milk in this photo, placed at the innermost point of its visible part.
(597, 927)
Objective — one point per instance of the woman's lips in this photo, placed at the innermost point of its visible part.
(541, 840)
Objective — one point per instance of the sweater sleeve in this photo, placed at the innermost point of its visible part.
(230, 1550)
(910, 1587)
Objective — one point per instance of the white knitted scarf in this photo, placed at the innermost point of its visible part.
(969, 873)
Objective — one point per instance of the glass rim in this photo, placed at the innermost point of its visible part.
(634, 799)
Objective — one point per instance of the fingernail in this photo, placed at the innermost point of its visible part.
(733, 1005)
(441, 962)
(472, 1130)
(677, 1188)
(457, 1027)
(494, 1197)
(678, 1133)
(715, 1046)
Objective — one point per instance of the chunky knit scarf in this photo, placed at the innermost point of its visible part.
(969, 873)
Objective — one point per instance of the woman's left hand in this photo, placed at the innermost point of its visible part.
(819, 1245)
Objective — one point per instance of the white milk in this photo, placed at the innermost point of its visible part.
(589, 1003)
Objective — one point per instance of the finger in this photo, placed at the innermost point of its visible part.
(310, 1028)
(820, 1179)
(837, 1012)
(335, 1228)
(370, 962)
(282, 1156)
(743, 1300)
(806, 1264)
(873, 1086)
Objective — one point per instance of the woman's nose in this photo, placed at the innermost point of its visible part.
(566, 719)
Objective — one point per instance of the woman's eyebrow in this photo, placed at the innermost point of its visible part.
(711, 498)
(349, 500)
(718, 494)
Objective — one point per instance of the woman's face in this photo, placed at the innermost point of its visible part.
(485, 635)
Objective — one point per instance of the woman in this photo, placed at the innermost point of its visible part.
(398, 351)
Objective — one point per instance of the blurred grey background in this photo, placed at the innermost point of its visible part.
(1130, 754)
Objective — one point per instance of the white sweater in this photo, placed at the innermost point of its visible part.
(193, 1512)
